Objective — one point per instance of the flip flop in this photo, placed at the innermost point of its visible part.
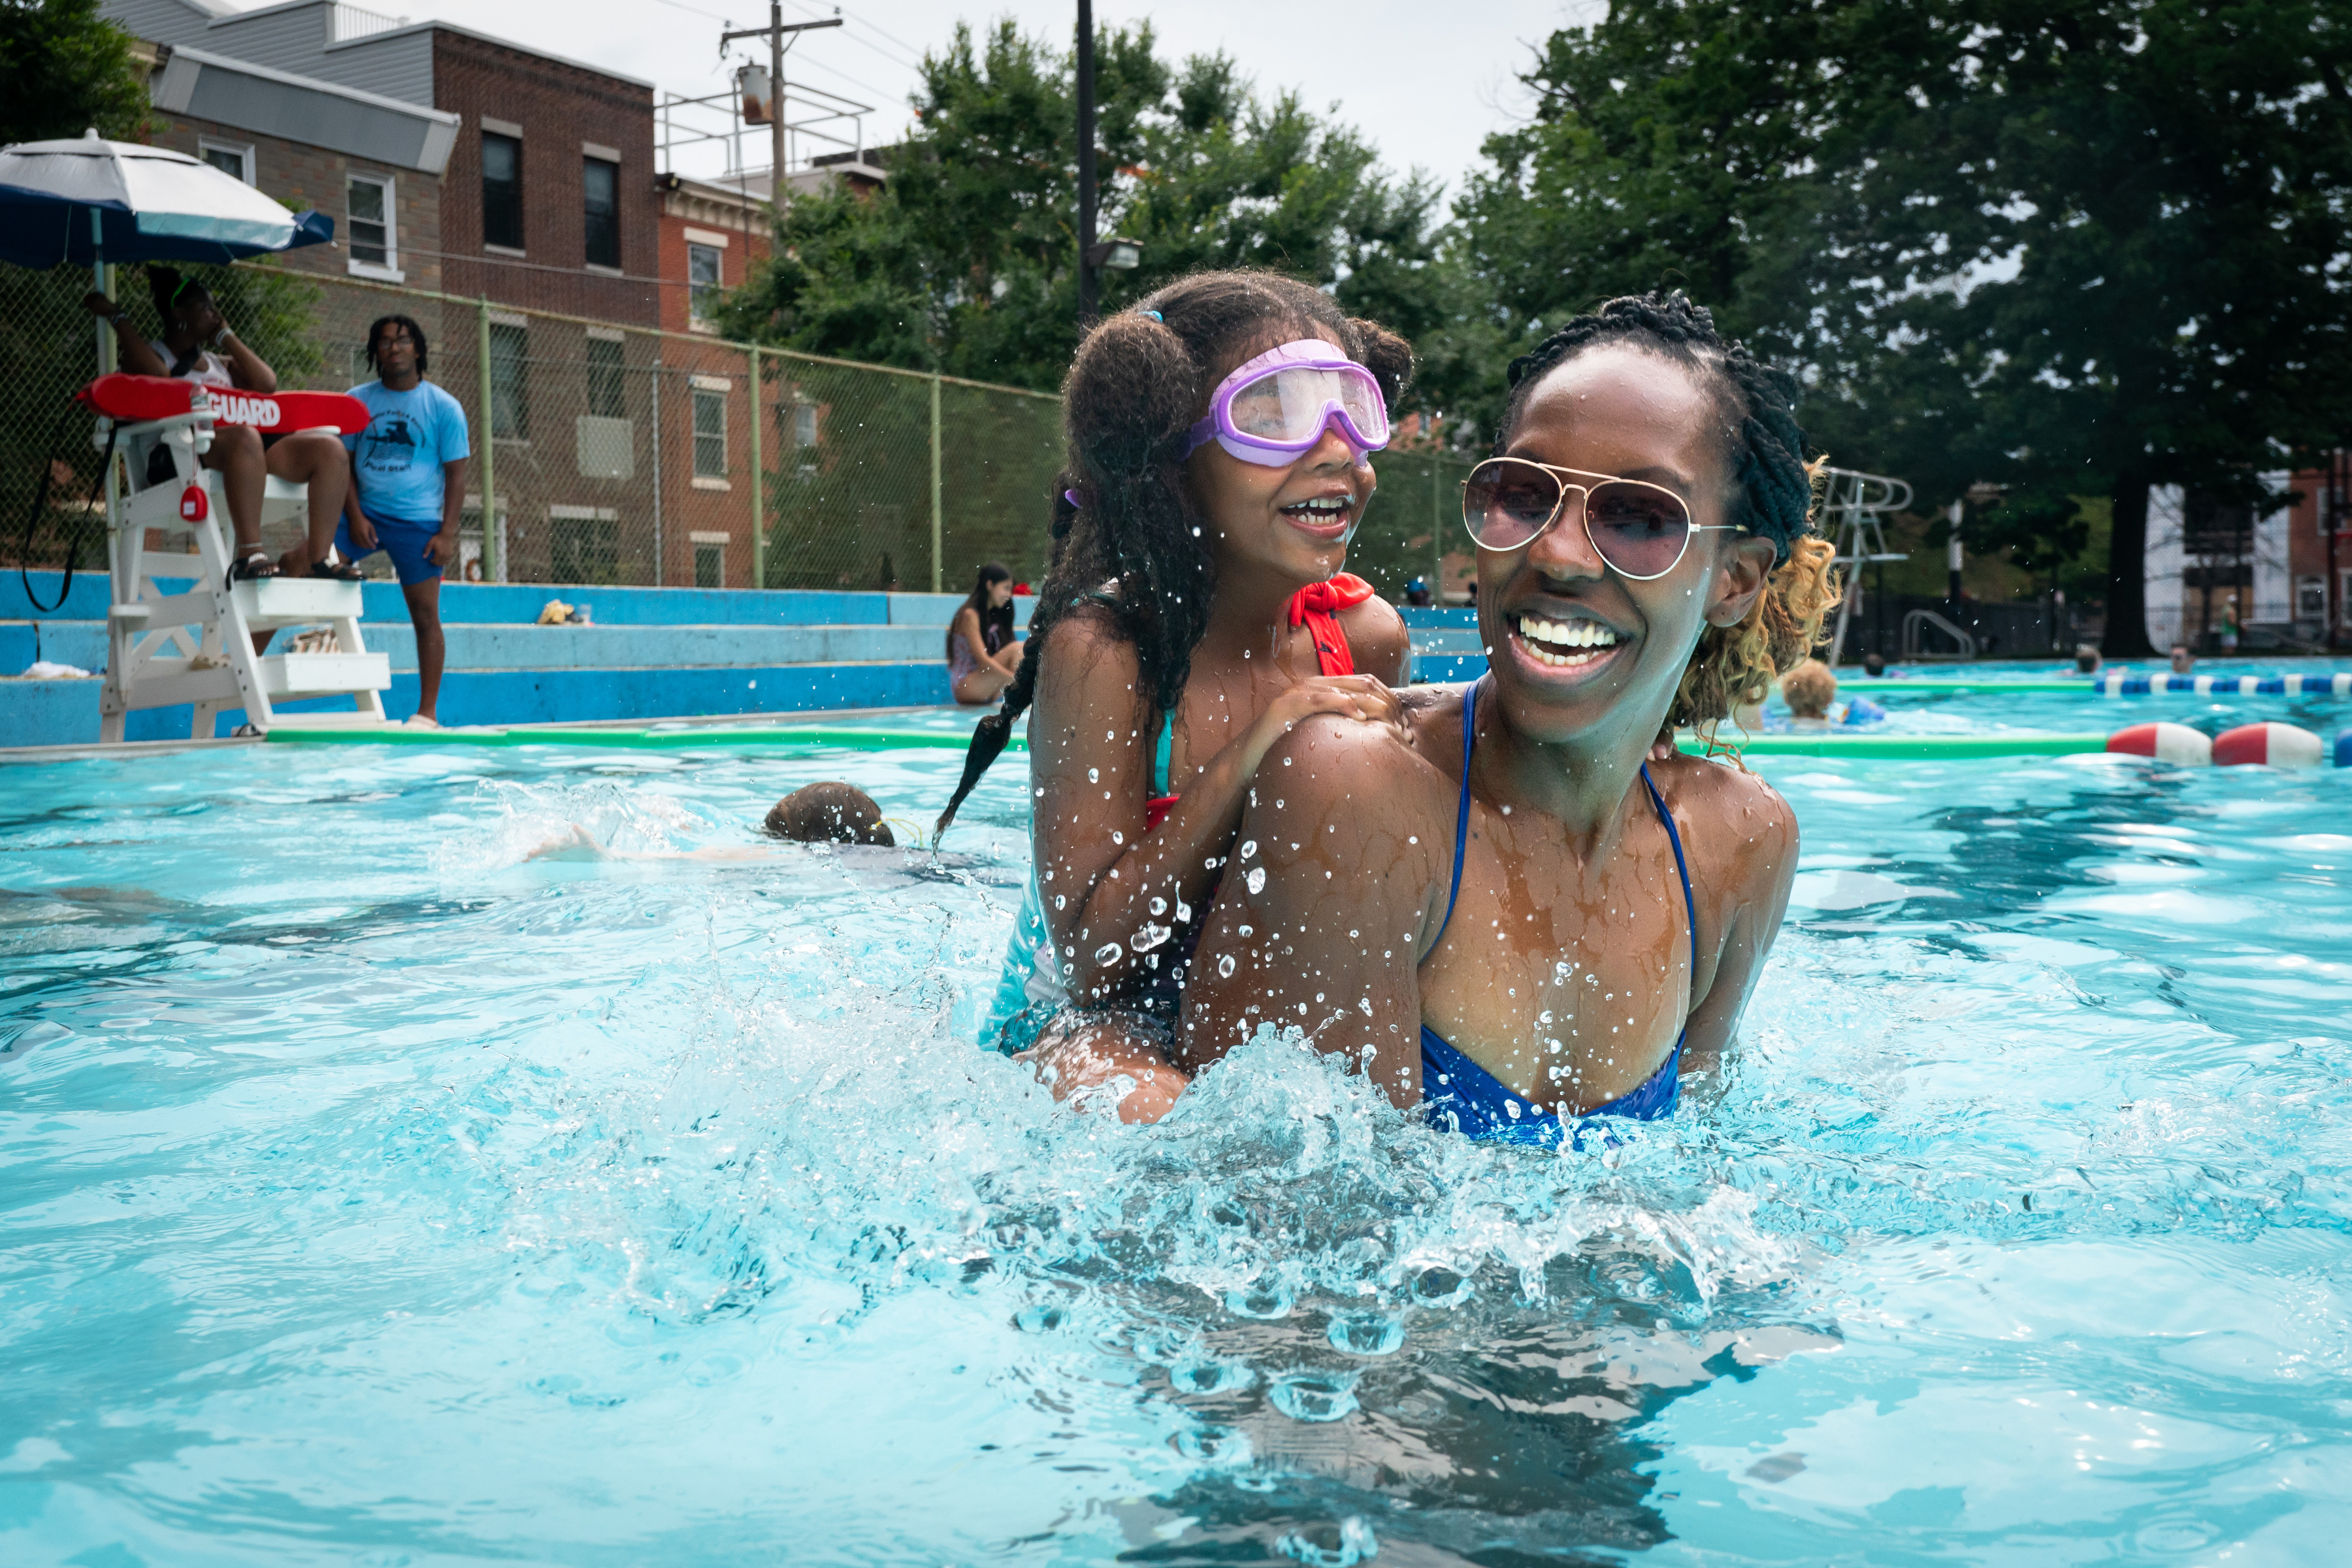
(246, 571)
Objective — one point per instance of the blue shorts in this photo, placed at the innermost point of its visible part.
(403, 540)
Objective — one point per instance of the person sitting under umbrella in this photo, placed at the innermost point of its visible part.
(198, 346)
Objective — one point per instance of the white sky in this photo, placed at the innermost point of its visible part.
(1427, 82)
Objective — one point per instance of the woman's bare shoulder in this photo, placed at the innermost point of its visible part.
(1737, 824)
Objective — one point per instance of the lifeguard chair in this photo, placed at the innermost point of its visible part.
(196, 647)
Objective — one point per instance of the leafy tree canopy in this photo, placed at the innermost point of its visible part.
(966, 260)
(64, 70)
(2072, 248)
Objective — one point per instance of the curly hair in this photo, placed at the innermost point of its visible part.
(1774, 491)
(1133, 545)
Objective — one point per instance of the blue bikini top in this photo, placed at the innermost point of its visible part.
(1459, 1094)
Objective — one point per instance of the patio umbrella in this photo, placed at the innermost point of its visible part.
(94, 201)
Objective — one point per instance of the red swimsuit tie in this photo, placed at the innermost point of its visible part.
(1315, 606)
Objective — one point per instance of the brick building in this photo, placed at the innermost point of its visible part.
(2322, 515)
(373, 164)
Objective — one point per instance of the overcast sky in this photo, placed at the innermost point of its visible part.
(1427, 82)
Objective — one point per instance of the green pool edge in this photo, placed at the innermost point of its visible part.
(1890, 748)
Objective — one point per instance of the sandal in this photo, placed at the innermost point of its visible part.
(255, 568)
(336, 570)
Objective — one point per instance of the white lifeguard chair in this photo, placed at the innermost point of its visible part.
(196, 647)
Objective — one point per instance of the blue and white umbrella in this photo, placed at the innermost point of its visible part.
(93, 200)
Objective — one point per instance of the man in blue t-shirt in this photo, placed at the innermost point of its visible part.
(408, 486)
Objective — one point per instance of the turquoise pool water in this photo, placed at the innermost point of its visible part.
(373, 1193)
(1974, 712)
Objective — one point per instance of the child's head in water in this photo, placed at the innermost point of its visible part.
(1810, 688)
(828, 813)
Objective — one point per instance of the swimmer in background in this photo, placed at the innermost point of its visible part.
(2183, 661)
(984, 656)
(1811, 691)
(1873, 666)
(2086, 659)
(827, 813)
(1808, 690)
(1221, 435)
(1519, 920)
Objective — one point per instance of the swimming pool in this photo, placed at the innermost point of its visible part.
(373, 1194)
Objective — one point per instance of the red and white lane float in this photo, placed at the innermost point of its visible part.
(2268, 745)
(2165, 742)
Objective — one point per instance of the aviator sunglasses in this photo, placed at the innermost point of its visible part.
(1641, 530)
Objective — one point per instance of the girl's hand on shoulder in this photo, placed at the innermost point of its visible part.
(1357, 697)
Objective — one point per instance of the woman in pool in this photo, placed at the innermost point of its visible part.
(1220, 437)
(984, 656)
(1519, 921)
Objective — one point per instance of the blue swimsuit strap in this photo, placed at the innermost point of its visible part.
(1461, 812)
(1462, 837)
(1682, 868)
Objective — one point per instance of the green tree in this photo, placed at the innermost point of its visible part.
(2075, 248)
(63, 70)
(966, 260)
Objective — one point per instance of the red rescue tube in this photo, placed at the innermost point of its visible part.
(2267, 745)
(135, 399)
(2165, 742)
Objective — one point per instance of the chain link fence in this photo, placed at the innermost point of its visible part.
(622, 455)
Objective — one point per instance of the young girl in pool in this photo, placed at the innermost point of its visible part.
(1220, 437)
(1526, 920)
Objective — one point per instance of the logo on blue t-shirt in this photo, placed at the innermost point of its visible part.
(398, 460)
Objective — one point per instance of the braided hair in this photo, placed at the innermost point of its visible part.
(1133, 544)
(1773, 490)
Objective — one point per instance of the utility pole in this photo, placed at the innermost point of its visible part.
(1086, 165)
(774, 33)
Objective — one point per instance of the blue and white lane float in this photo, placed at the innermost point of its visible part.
(2249, 745)
(2117, 683)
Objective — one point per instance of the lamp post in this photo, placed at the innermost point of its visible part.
(1117, 253)
(1086, 165)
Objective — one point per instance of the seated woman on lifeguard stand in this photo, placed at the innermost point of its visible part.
(198, 346)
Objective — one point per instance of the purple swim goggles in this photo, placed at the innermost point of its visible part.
(1273, 409)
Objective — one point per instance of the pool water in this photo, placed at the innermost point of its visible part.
(374, 1191)
(1989, 711)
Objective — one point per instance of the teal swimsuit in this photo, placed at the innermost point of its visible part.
(1459, 1095)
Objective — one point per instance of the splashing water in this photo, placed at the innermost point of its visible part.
(384, 1188)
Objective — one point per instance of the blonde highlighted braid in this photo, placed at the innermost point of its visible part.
(1736, 664)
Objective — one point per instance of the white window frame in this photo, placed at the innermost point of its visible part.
(715, 389)
(694, 320)
(241, 151)
(388, 271)
(701, 541)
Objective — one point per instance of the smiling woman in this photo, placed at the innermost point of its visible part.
(1511, 915)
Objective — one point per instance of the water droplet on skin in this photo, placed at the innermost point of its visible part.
(1117, 837)
(1255, 880)
(1061, 901)
(1107, 954)
(1159, 906)
(1150, 937)
(1249, 847)
(1225, 966)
